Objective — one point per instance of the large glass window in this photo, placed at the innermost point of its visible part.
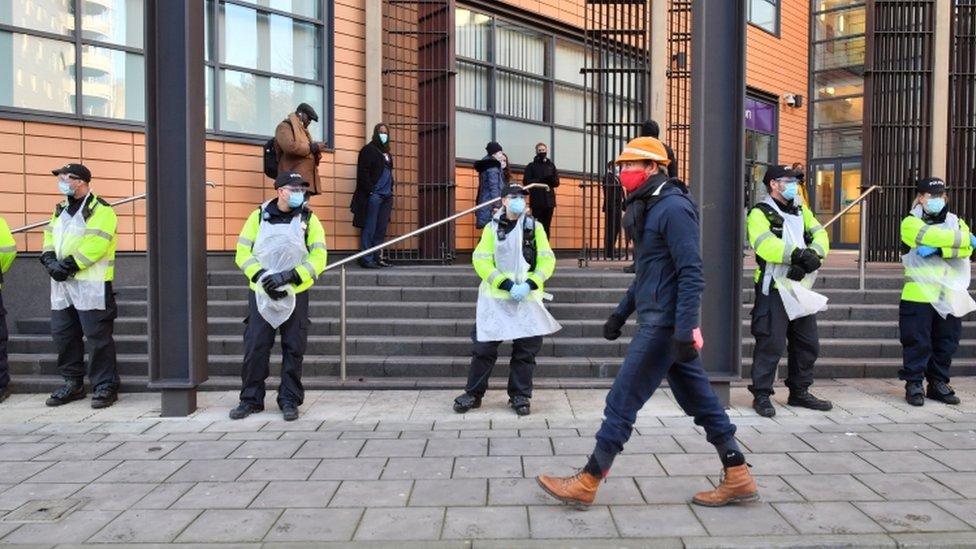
(838, 48)
(85, 58)
(765, 15)
(517, 86)
(762, 125)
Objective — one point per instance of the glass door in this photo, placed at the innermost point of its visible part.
(835, 186)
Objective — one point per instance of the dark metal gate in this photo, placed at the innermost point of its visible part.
(418, 107)
(617, 74)
(679, 83)
(897, 113)
(962, 110)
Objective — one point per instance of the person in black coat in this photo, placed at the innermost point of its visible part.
(650, 128)
(543, 201)
(613, 207)
(372, 202)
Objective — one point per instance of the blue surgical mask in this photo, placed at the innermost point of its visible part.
(516, 205)
(384, 138)
(934, 205)
(295, 199)
(65, 188)
(790, 192)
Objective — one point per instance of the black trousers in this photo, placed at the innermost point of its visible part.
(614, 222)
(71, 329)
(259, 338)
(775, 333)
(928, 342)
(4, 366)
(544, 216)
(484, 354)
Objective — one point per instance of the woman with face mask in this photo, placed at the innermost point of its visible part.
(493, 175)
(542, 170)
(937, 246)
(372, 202)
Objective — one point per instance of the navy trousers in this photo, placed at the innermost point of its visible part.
(776, 333)
(928, 342)
(378, 210)
(259, 338)
(650, 358)
(71, 328)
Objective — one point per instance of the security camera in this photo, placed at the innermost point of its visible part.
(793, 100)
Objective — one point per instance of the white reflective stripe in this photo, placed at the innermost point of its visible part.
(98, 232)
(819, 249)
(546, 253)
(762, 238)
(956, 241)
(48, 248)
(311, 270)
(542, 276)
(816, 228)
(8, 249)
(482, 255)
(787, 255)
(317, 246)
(82, 260)
(245, 241)
(921, 235)
(494, 276)
(248, 263)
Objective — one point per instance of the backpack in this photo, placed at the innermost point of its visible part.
(271, 158)
(529, 250)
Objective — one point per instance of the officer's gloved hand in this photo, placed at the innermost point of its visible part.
(53, 266)
(796, 258)
(257, 276)
(809, 260)
(796, 273)
(972, 241)
(520, 291)
(926, 251)
(276, 280)
(48, 259)
(70, 265)
(276, 294)
(612, 328)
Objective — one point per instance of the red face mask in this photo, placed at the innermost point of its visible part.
(631, 180)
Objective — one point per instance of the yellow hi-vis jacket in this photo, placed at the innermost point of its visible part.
(483, 260)
(96, 247)
(8, 249)
(308, 270)
(771, 248)
(953, 243)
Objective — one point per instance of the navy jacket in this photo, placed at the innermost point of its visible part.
(666, 291)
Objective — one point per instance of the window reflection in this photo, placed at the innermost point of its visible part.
(36, 73)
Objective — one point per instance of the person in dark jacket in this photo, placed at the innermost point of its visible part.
(493, 176)
(613, 207)
(650, 128)
(543, 202)
(372, 202)
(666, 293)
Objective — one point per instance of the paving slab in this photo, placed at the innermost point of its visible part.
(555, 522)
(146, 526)
(295, 494)
(315, 525)
(449, 493)
(220, 495)
(412, 523)
(648, 521)
(227, 526)
(827, 517)
(481, 523)
(757, 519)
(377, 493)
(911, 516)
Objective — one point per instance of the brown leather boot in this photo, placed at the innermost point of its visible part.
(579, 489)
(737, 486)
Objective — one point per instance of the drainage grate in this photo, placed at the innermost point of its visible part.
(43, 510)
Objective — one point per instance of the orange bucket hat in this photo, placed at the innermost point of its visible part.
(644, 148)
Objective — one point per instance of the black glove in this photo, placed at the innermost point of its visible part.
(277, 280)
(611, 329)
(54, 268)
(796, 273)
(810, 261)
(70, 265)
(48, 259)
(257, 276)
(796, 257)
(685, 351)
(276, 294)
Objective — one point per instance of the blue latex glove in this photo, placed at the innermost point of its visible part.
(926, 251)
(972, 241)
(520, 291)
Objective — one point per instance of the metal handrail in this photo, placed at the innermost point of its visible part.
(861, 259)
(341, 264)
(121, 202)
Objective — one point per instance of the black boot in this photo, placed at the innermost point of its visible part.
(804, 399)
(103, 398)
(4, 393)
(941, 391)
(466, 402)
(520, 404)
(243, 410)
(289, 412)
(68, 392)
(762, 405)
(914, 394)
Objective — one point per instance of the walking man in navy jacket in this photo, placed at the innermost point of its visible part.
(663, 222)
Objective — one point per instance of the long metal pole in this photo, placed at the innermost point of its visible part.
(342, 323)
(852, 205)
(861, 256)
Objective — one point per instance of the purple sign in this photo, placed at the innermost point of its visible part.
(760, 116)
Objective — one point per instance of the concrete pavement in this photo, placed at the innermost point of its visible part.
(400, 469)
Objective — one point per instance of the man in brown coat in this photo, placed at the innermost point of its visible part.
(296, 150)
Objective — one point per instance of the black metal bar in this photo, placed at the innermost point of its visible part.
(717, 136)
(176, 202)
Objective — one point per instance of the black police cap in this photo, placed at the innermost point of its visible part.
(77, 170)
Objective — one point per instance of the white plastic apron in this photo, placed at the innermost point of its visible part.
(504, 319)
(945, 282)
(799, 299)
(278, 247)
(88, 293)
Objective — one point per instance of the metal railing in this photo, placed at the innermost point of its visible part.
(341, 264)
(861, 255)
(121, 202)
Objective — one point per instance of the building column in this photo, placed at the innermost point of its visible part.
(374, 65)
(940, 88)
(660, 62)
